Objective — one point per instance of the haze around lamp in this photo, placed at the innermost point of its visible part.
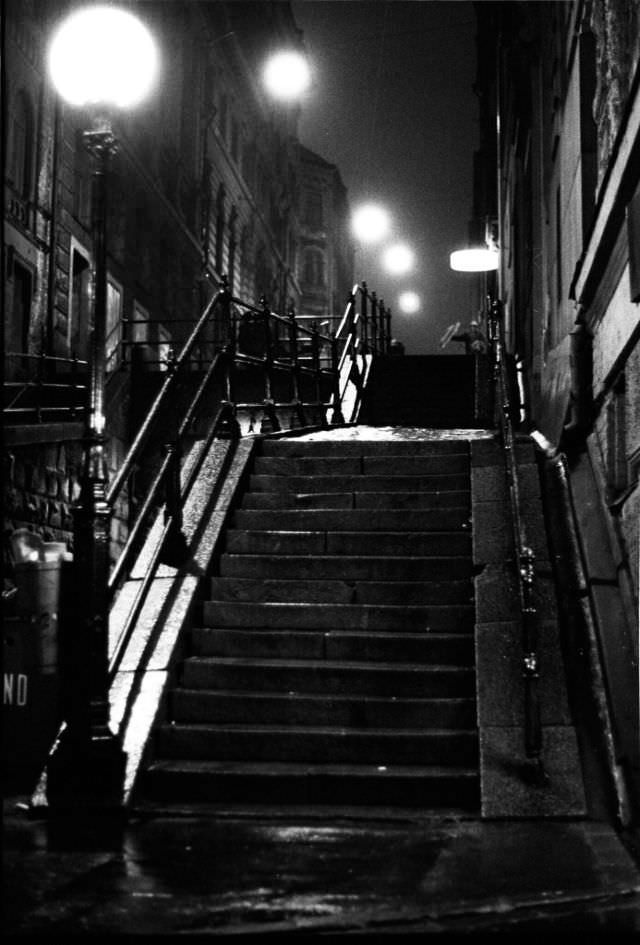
(103, 55)
(370, 223)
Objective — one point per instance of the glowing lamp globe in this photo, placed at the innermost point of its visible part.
(480, 259)
(287, 75)
(102, 55)
(398, 259)
(409, 303)
(370, 223)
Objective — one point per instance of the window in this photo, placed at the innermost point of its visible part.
(80, 309)
(313, 212)
(113, 330)
(220, 222)
(22, 146)
(16, 326)
(313, 267)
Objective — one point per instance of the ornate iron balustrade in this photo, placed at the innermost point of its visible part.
(524, 555)
(334, 365)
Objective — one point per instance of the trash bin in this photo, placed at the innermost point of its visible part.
(31, 664)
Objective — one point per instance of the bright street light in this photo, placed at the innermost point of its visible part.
(370, 223)
(103, 55)
(398, 259)
(286, 74)
(409, 303)
(475, 259)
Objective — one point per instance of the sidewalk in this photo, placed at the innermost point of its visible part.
(226, 871)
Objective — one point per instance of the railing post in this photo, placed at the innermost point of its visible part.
(173, 498)
(374, 322)
(297, 417)
(388, 320)
(382, 324)
(228, 428)
(315, 364)
(533, 728)
(336, 416)
(269, 422)
(364, 319)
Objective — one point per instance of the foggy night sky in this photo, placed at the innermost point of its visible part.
(392, 107)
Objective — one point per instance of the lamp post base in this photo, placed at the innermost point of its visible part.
(86, 777)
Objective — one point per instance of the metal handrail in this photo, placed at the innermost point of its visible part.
(524, 555)
(41, 382)
(168, 476)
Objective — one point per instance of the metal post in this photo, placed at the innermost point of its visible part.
(374, 322)
(86, 770)
(337, 416)
(364, 318)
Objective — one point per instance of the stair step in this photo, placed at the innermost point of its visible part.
(280, 783)
(448, 544)
(345, 567)
(357, 500)
(394, 447)
(445, 648)
(436, 520)
(398, 482)
(433, 617)
(238, 742)
(369, 465)
(297, 590)
(231, 705)
(361, 678)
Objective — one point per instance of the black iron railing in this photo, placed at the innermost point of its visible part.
(41, 387)
(331, 367)
(524, 555)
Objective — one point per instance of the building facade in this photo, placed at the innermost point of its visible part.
(559, 171)
(205, 184)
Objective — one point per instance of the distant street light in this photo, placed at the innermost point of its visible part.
(287, 75)
(370, 223)
(398, 259)
(474, 259)
(101, 57)
(409, 303)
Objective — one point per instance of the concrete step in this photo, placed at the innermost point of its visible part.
(443, 618)
(299, 590)
(352, 520)
(398, 482)
(357, 500)
(367, 465)
(329, 677)
(347, 567)
(414, 786)
(405, 544)
(360, 447)
(300, 744)
(296, 708)
(449, 649)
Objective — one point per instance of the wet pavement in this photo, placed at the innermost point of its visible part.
(316, 871)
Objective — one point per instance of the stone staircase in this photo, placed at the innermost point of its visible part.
(334, 660)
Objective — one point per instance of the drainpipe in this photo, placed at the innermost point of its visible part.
(581, 366)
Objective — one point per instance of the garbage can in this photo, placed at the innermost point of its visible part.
(31, 669)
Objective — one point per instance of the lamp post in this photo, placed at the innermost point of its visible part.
(103, 59)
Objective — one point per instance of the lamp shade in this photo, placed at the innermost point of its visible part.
(476, 259)
(102, 55)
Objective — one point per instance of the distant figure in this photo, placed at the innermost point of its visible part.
(474, 340)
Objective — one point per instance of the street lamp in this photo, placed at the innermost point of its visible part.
(101, 58)
(286, 74)
(370, 223)
(409, 302)
(398, 259)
